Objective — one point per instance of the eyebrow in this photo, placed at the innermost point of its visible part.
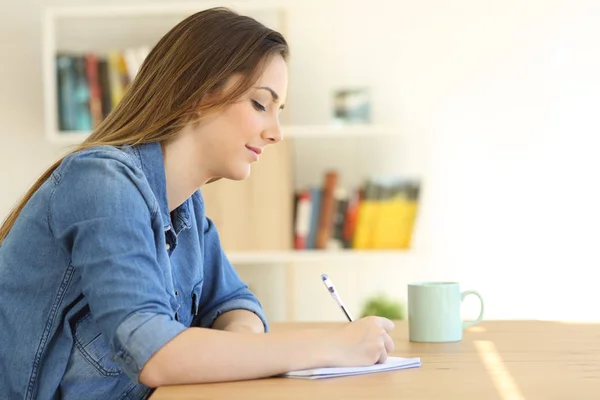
(273, 94)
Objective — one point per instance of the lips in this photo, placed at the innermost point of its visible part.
(254, 149)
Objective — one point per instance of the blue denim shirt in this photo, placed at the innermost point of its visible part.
(96, 275)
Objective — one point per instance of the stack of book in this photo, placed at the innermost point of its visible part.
(379, 215)
(90, 85)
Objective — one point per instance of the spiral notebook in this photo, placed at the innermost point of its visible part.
(392, 363)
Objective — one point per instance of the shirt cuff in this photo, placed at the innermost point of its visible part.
(140, 336)
(234, 304)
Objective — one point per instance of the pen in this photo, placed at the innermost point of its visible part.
(334, 295)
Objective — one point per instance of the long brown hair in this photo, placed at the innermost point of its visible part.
(195, 58)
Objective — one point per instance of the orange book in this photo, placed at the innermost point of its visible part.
(327, 210)
(93, 78)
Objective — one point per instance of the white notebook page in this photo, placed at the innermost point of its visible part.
(392, 363)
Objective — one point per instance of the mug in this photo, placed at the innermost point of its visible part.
(434, 311)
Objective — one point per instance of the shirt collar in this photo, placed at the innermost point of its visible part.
(152, 162)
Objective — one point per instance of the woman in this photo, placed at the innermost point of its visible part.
(112, 278)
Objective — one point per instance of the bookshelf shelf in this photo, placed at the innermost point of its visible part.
(154, 9)
(310, 256)
(336, 131)
(289, 131)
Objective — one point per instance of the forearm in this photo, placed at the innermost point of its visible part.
(239, 321)
(200, 355)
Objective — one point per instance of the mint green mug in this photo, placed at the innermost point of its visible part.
(434, 311)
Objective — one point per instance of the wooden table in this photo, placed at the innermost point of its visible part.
(496, 360)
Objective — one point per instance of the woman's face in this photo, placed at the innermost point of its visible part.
(229, 141)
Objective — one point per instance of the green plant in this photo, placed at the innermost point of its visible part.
(383, 306)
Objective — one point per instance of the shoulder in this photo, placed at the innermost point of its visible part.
(102, 176)
(96, 159)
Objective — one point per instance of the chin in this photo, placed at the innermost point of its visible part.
(239, 174)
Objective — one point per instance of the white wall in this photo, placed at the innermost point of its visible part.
(499, 100)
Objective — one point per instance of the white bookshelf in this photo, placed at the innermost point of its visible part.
(310, 256)
(361, 149)
(60, 33)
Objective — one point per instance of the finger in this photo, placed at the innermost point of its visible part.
(382, 358)
(389, 343)
(386, 324)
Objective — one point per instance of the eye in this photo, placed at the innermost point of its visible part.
(258, 106)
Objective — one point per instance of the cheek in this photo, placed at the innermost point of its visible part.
(248, 121)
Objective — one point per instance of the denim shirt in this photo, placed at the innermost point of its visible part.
(96, 275)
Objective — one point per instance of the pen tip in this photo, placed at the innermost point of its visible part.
(323, 276)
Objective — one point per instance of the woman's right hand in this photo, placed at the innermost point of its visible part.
(361, 343)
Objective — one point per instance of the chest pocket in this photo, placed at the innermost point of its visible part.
(92, 346)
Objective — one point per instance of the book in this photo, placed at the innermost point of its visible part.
(391, 364)
(326, 216)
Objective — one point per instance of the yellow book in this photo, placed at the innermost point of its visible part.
(391, 219)
(385, 222)
(403, 213)
(116, 72)
(365, 219)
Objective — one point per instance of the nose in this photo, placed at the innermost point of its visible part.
(273, 134)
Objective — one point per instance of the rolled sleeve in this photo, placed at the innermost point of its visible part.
(140, 336)
(234, 304)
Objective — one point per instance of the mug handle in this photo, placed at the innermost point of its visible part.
(464, 294)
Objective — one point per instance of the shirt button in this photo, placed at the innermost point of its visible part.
(176, 293)
(168, 246)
